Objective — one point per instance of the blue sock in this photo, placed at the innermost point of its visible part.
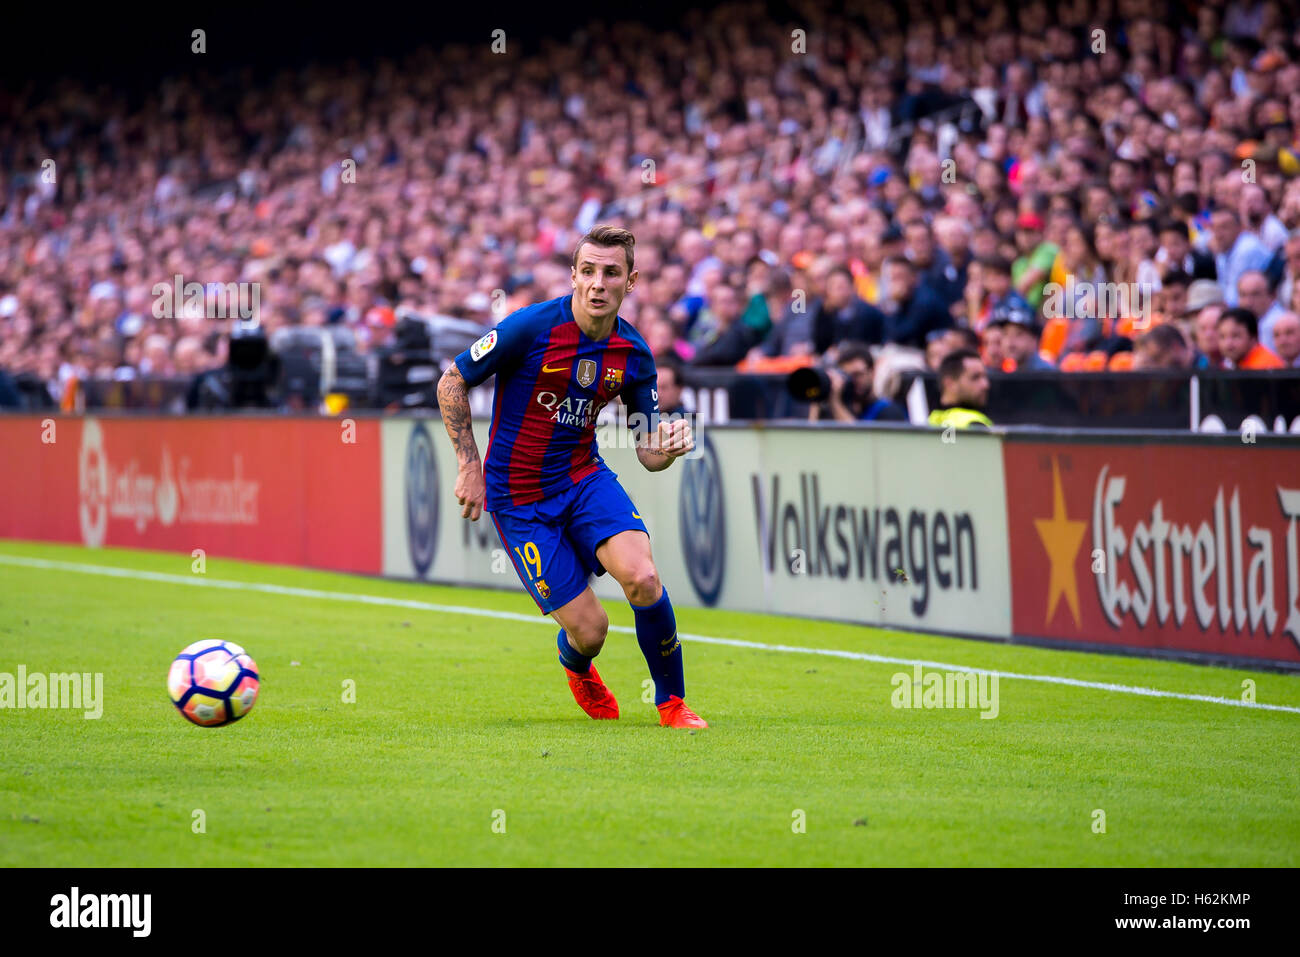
(656, 633)
(570, 657)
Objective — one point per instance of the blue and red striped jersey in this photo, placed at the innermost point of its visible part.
(552, 382)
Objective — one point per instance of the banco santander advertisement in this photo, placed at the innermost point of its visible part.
(290, 491)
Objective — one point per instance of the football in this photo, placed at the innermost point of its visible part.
(213, 682)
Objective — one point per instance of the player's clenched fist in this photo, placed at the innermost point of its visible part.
(470, 490)
(676, 437)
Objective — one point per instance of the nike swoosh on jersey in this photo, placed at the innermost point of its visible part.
(634, 514)
(560, 369)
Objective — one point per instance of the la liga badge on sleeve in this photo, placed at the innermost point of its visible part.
(485, 345)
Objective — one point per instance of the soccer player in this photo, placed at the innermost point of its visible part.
(557, 507)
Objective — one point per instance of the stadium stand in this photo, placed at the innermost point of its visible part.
(1096, 148)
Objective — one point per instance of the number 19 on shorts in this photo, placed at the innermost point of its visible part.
(531, 560)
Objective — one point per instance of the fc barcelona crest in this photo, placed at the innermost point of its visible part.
(613, 380)
(543, 589)
(586, 372)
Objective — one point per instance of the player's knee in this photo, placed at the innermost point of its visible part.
(642, 586)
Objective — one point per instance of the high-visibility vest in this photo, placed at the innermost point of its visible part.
(959, 418)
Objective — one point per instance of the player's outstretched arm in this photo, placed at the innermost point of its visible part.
(453, 402)
(656, 451)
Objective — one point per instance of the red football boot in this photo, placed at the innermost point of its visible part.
(673, 713)
(591, 694)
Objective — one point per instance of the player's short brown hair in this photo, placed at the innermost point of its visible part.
(606, 235)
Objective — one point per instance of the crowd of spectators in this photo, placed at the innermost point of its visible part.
(1091, 184)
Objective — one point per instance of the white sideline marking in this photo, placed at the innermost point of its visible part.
(388, 602)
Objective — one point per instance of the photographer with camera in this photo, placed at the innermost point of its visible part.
(248, 380)
(843, 391)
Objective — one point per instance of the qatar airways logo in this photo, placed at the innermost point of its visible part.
(1227, 571)
(576, 413)
(617, 428)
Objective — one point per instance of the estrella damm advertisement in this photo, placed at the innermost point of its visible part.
(1188, 547)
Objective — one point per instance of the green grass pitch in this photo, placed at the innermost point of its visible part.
(458, 718)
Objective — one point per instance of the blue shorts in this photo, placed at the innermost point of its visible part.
(553, 542)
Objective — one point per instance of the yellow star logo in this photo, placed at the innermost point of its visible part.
(1061, 540)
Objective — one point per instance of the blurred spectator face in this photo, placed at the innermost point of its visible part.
(743, 246)
(1173, 299)
(1234, 340)
(972, 386)
(1175, 245)
(693, 247)
(1228, 187)
(1286, 337)
(872, 252)
(1148, 355)
(189, 356)
(1184, 178)
(859, 374)
(1097, 202)
(156, 355)
(1027, 240)
(711, 276)
(818, 273)
(670, 390)
(936, 347)
(996, 144)
(962, 206)
(901, 280)
(989, 178)
(1019, 342)
(1223, 230)
(724, 304)
(659, 336)
(984, 242)
(1207, 334)
(1253, 294)
(958, 339)
(953, 236)
(1121, 178)
(992, 347)
(1077, 251)
(996, 282)
(839, 290)
(1292, 253)
(920, 245)
(1141, 241)
(1254, 204)
(909, 208)
(673, 277)
(1111, 243)
(975, 286)
(1005, 219)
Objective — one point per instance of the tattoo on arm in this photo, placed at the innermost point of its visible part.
(653, 460)
(453, 402)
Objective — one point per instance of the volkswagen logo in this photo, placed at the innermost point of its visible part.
(421, 499)
(703, 522)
